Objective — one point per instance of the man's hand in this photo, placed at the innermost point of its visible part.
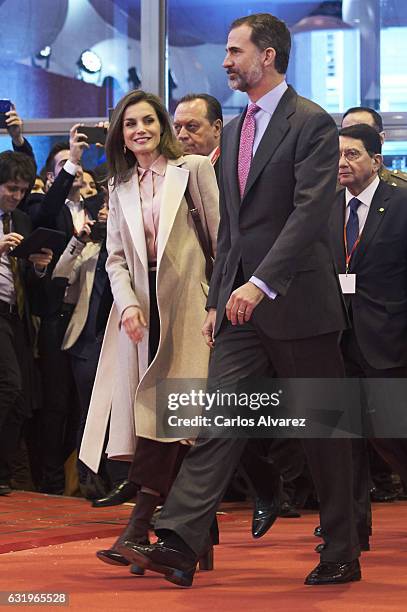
(9, 242)
(208, 328)
(41, 260)
(15, 127)
(77, 144)
(242, 302)
(134, 323)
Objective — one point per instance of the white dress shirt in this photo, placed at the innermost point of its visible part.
(78, 212)
(268, 104)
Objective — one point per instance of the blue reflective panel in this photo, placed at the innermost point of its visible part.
(41, 47)
(43, 144)
(395, 154)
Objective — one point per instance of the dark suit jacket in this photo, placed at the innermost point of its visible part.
(379, 306)
(279, 231)
(22, 225)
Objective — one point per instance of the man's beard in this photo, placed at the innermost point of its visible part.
(243, 82)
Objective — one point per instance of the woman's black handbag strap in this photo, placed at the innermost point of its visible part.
(201, 235)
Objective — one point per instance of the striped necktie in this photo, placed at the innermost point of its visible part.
(18, 286)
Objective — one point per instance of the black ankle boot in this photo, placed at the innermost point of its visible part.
(136, 530)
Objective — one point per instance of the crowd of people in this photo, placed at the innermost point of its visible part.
(292, 241)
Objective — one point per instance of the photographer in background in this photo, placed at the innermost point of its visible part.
(17, 373)
(82, 264)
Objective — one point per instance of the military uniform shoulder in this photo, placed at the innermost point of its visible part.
(396, 178)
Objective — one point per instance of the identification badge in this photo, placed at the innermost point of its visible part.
(348, 283)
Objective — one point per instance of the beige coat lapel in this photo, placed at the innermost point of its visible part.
(129, 197)
(175, 183)
(90, 268)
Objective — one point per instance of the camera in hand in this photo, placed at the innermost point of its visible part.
(98, 231)
(5, 107)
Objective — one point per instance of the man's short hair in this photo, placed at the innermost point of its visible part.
(57, 148)
(377, 120)
(17, 167)
(367, 134)
(268, 31)
(213, 106)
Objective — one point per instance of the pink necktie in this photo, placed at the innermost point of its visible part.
(246, 146)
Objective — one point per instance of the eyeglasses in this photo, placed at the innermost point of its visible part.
(352, 154)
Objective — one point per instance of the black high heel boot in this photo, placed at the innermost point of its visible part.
(136, 530)
(205, 563)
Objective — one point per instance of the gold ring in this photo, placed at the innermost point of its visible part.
(241, 311)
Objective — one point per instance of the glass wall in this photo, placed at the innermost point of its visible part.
(68, 58)
(76, 58)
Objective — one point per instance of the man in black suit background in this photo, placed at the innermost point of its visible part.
(17, 174)
(375, 287)
(65, 210)
(383, 487)
(198, 124)
(274, 300)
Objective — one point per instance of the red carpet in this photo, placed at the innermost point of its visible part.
(255, 576)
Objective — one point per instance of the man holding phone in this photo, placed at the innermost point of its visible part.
(17, 172)
(12, 122)
(62, 209)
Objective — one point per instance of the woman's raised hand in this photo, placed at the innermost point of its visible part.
(134, 323)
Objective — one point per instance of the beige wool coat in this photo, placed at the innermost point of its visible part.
(125, 385)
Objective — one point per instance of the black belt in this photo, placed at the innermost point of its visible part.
(6, 308)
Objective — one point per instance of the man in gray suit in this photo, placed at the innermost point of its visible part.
(274, 302)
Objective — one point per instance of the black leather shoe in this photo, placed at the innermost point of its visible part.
(124, 492)
(318, 531)
(174, 565)
(264, 514)
(112, 557)
(5, 489)
(334, 573)
(205, 564)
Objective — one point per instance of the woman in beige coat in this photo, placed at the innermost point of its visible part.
(156, 268)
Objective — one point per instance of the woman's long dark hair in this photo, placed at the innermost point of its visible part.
(121, 164)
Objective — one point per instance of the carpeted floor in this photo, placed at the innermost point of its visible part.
(249, 575)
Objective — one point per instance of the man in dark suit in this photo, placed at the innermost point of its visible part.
(274, 300)
(17, 173)
(62, 209)
(375, 289)
(198, 123)
(383, 487)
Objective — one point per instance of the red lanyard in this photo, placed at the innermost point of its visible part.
(349, 257)
(215, 156)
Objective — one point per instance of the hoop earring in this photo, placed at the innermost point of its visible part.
(124, 149)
